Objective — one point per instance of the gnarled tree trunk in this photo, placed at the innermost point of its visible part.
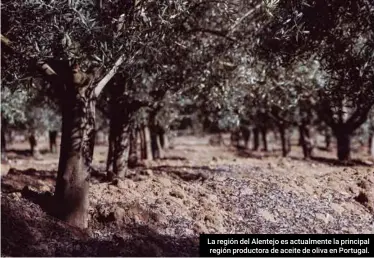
(77, 144)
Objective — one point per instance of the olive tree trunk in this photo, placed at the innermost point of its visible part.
(154, 133)
(143, 142)
(285, 140)
(118, 141)
(133, 150)
(256, 139)
(306, 141)
(52, 141)
(264, 139)
(77, 144)
(343, 139)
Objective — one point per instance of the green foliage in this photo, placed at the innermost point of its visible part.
(13, 106)
(339, 35)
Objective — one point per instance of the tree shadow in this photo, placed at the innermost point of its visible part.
(16, 179)
(334, 162)
(188, 173)
(173, 158)
(247, 153)
(324, 149)
(28, 231)
(26, 152)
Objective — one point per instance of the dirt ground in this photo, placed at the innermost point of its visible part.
(162, 206)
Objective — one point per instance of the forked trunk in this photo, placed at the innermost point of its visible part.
(343, 144)
(256, 140)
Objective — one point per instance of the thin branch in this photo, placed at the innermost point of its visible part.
(100, 86)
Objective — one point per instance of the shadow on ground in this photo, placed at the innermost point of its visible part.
(25, 152)
(16, 179)
(335, 162)
(28, 231)
(188, 173)
(247, 153)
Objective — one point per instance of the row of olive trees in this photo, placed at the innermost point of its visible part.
(307, 71)
(220, 56)
(339, 36)
(141, 49)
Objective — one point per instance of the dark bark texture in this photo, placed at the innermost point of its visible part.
(285, 140)
(343, 139)
(77, 101)
(256, 139)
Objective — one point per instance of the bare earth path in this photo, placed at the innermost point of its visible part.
(161, 208)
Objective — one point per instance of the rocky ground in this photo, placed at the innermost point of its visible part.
(161, 207)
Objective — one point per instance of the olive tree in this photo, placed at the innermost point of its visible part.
(339, 36)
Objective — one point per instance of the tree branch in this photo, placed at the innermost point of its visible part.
(358, 118)
(101, 85)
